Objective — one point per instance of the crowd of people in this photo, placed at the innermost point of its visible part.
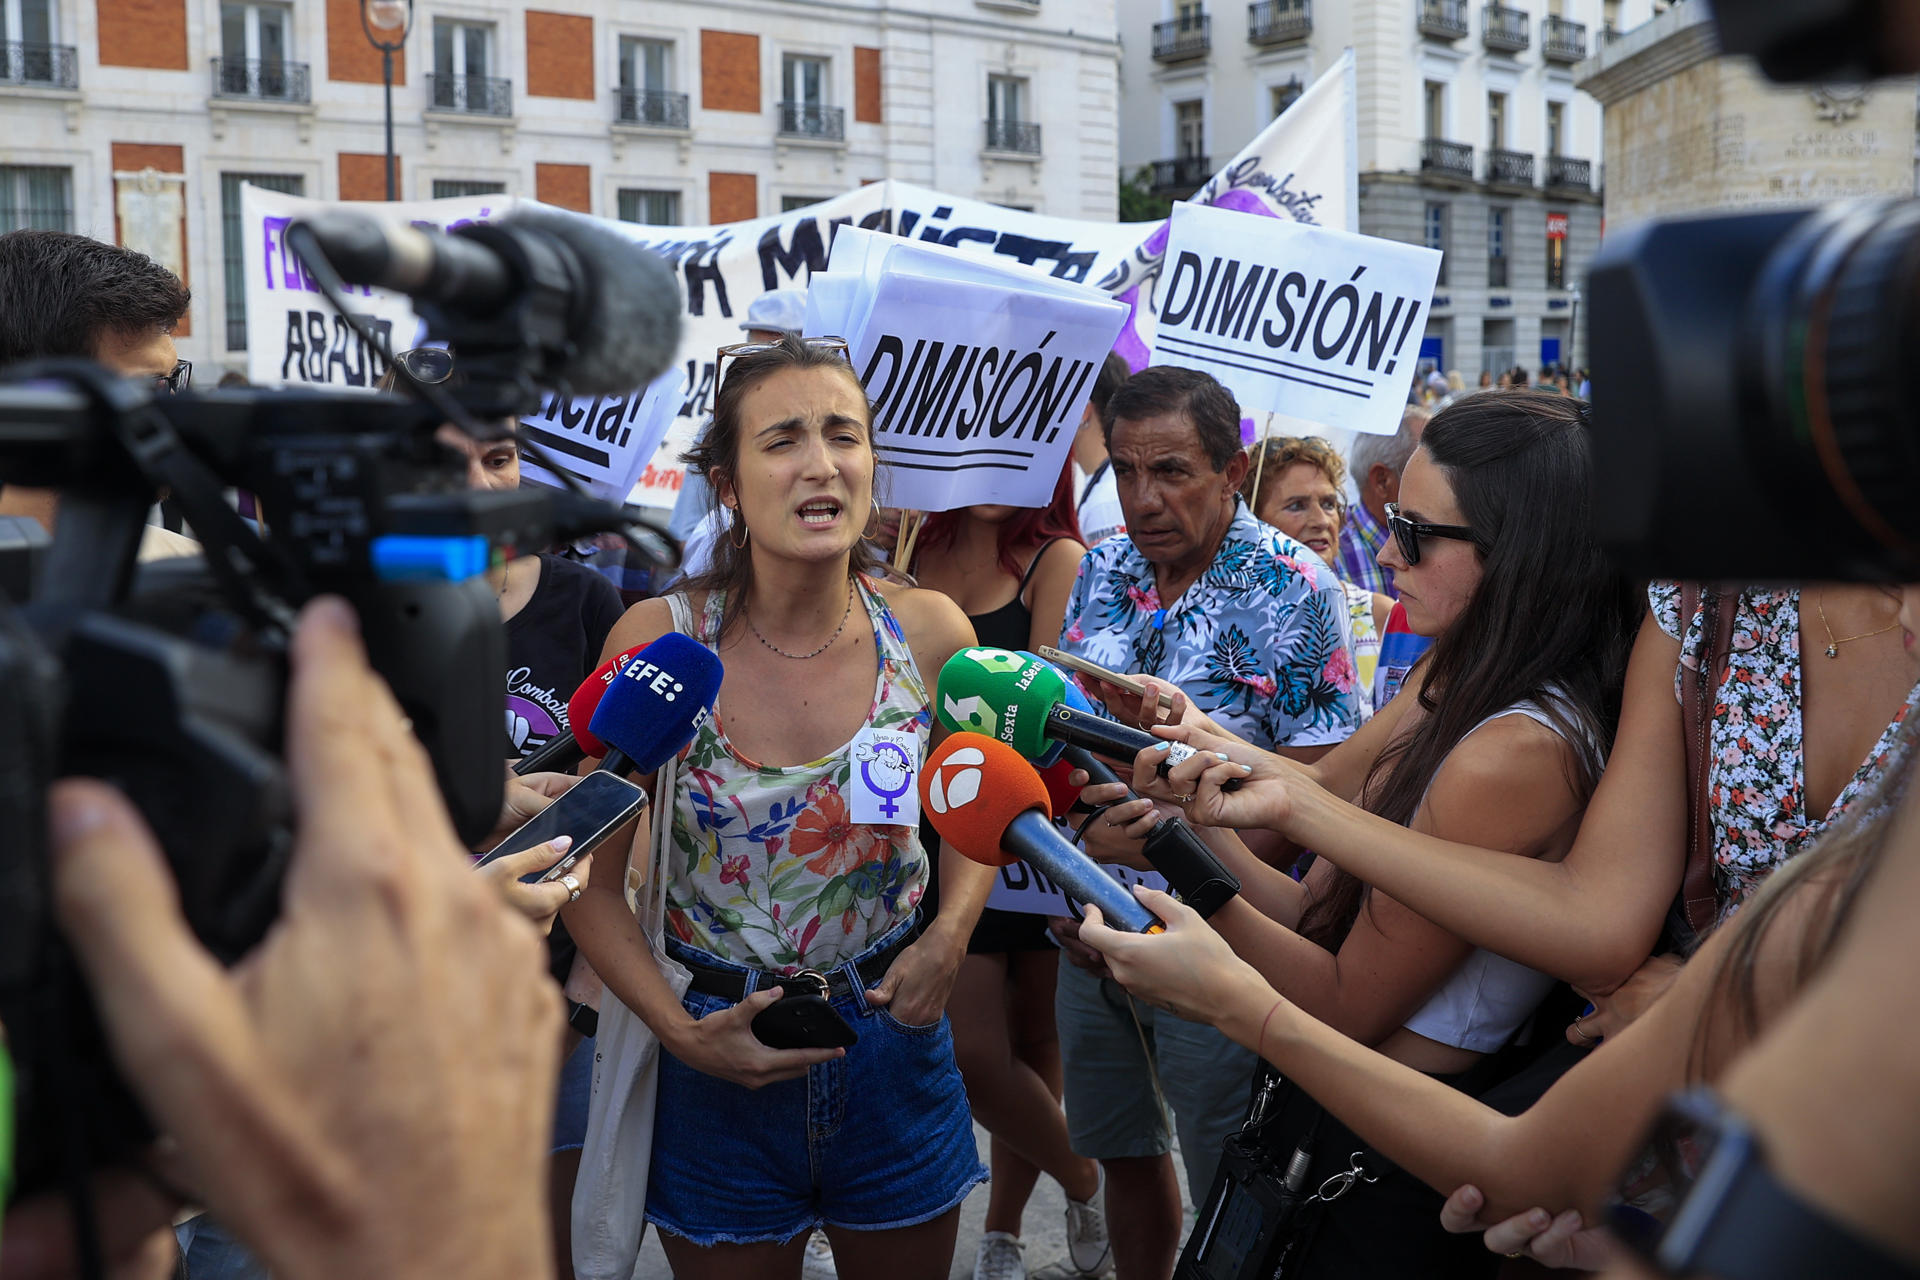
(1523, 849)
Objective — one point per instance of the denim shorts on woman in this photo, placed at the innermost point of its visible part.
(878, 1139)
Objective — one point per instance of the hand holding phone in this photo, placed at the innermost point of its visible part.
(1114, 678)
(593, 809)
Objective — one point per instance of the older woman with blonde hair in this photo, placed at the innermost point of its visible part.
(1295, 484)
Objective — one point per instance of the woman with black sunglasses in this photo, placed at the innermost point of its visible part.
(1497, 739)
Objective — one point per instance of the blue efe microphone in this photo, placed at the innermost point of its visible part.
(656, 704)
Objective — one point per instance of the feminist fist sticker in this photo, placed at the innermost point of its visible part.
(884, 764)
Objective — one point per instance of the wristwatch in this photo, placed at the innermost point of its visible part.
(1700, 1200)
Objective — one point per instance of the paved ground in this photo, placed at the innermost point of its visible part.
(1044, 1232)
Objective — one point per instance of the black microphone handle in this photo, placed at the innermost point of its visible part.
(1175, 849)
(1112, 739)
(615, 761)
(562, 751)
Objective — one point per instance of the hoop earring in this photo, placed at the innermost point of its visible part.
(874, 498)
(741, 525)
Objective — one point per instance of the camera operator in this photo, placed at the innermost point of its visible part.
(356, 1096)
(71, 295)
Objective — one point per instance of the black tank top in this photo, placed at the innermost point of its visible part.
(1011, 625)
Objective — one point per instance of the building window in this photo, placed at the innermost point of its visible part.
(1436, 226)
(1282, 96)
(804, 80)
(29, 30)
(654, 208)
(449, 188)
(1556, 128)
(646, 65)
(1610, 15)
(789, 203)
(29, 22)
(1435, 108)
(462, 63)
(1556, 250)
(261, 33)
(1006, 99)
(1190, 128)
(232, 243)
(36, 198)
(1497, 247)
(1497, 120)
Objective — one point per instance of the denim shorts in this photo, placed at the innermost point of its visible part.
(576, 1092)
(879, 1139)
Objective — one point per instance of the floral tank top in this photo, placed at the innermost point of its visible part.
(765, 867)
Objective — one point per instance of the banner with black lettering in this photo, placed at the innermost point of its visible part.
(1316, 324)
(978, 373)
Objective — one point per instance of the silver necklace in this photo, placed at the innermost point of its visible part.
(802, 657)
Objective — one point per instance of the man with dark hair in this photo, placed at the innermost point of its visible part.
(71, 295)
(1250, 624)
(1375, 462)
(1099, 507)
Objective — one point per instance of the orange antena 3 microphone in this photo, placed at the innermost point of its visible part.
(986, 801)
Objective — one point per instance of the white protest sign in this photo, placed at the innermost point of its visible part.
(1321, 325)
(1302, 168)
(978, 377)
(605, 442)
(1026, 889)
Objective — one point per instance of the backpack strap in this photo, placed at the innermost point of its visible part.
(1699, 691)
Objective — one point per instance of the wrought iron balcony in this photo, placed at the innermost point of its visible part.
(1022, 136)
(1182, 175)
(813, 120)
(264, 80)
(1444, 159)
(1509, 168)
(656, 107)
(1504, 30)
(1561, 40)
(1276, 22)
(1569, 174)
(44, 66)
(470, 95)
(1609, 33)
(1182, 38)
(1443, 19)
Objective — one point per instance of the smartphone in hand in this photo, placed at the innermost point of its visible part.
(590, 811)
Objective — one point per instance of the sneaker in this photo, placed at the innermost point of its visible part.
(1087, 1248)
(1001, 1257)
(818, 1262)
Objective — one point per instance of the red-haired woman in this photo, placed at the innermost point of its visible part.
(1011, 570)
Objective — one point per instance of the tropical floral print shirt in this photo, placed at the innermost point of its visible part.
(1259, 642)
(766, 869)
(1757, 782)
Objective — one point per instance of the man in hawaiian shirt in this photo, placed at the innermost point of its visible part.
(1252, 626)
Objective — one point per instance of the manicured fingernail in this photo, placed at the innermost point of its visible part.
(1224, 756)
(1538, 1219)
(75, 818)
(1568, 1220)
(1161, 745)
(560, 844)
(1244, 768)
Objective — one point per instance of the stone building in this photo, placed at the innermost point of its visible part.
(1688, 130)
(1473, 138)
(137, 120)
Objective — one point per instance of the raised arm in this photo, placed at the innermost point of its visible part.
(1505, 787)
(1589, 919)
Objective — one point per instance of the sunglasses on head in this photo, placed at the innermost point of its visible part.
(1407, 533)
(738, 349)
(177, 381)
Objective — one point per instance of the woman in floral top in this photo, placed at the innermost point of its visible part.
(785, 872)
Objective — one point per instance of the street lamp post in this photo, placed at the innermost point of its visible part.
(387, 16)
(1573, 330)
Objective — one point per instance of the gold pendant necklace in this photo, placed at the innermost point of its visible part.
(1833, 645)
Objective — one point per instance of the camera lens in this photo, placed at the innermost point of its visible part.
(1831, 331)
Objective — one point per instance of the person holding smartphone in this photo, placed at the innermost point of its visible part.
(795, 866)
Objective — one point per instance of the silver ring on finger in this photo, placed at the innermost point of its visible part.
(1581, 1032)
